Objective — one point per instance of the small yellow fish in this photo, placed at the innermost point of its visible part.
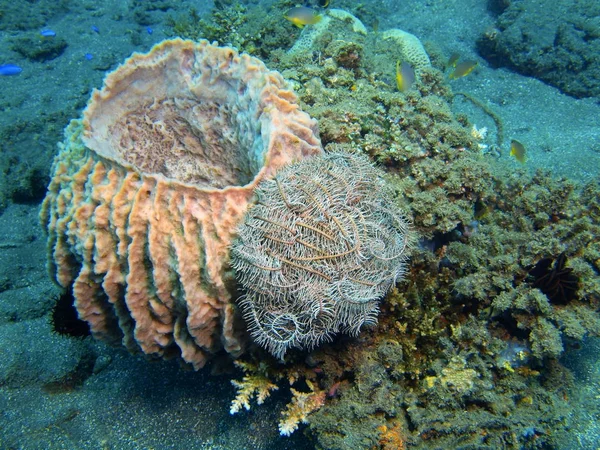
(518, 151)
(453, 60)
(324, 3)
(405, 76)
(462, 69)
(302, 15)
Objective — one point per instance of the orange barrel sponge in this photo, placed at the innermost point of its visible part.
(149, 187)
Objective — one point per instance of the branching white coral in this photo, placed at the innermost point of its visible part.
(479, 134)
(302, 404)
(255, 383)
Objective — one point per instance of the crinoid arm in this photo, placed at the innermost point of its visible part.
(318, 252)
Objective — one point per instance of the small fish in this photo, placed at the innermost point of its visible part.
(95, 29)
(518, 151)
(453, 60)
(149, 30)
(333, 390)
(47, 33)
(405, 76)
(324, 3)
(88, 56)
(481, 210)
(302, 15)
(10, 69)
(462, 69)
(375, 25)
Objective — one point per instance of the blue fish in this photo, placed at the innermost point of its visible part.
(48, 33)
(10, 69)
(95, 29)
(149, 30)
(88, 56)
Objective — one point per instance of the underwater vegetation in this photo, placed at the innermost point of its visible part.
(255, 30)
(506, 276)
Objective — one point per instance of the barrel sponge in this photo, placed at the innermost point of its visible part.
(411, 49)
(150, 185)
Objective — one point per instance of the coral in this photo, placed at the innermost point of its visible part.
(346, 54)
(336, 22)
(255, 29)
(411, 49)
(458, 377)
(259, 380)
(465, 346)
(321, 247)
(529, 301)
(224, 22)
(302, 404)
(149, 187)
(439, 167)
(393, 436)
(345, 16)
(517, 264)
(256, 382)
(545, 338)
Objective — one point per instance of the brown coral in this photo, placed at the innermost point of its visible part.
(149, 187)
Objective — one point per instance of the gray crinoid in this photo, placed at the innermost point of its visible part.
(318, 251)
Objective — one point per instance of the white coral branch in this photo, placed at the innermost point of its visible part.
(254, 385)
(302, 404)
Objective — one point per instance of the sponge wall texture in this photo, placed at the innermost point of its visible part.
(150, 186)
